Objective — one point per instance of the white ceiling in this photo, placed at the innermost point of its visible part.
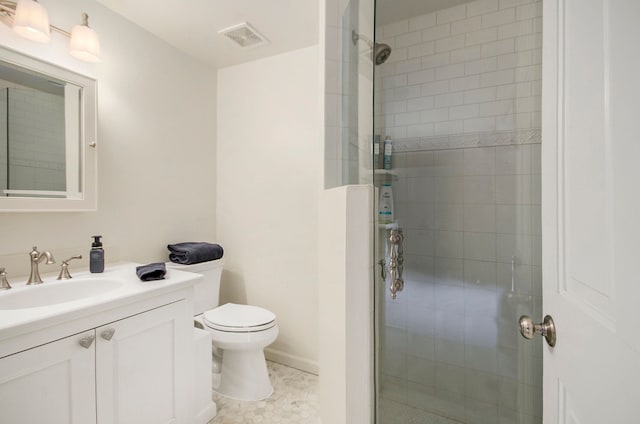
(192, 26)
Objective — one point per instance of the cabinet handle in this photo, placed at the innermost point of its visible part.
(86, 342)
(108, 333)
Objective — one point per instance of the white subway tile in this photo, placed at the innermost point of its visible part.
(421, 50)
(447, 128)
(481, 37)
(479, 218)
(394, 81)
(396, 28)
(524, 120)
(480, 7)
(398, 55)
(480, 161)
(463, 112)
(436, 32)
(537, 56)
(514, 60)
(450, 71)
(536, 119)
(449, 99)
(499, 18)
(403, 67)
(537, 24)
(466, 25)
(422, 22)
(386, 69)
(421, 77)
(394, 107)
(506, 123)
(480, 95)
(481, 66)
(408, 39)
(529, 42)
(407, 118)
(499, 47)
(435, 115)
(515, 29)
(500, 107)
(449, 244)
(526, 89)
(479, 125)
(504, 4)
(439, 59)
(433, 88)
(451, 14)
(450, 43)
(529, 11)
(529, 104)
(449, 163)
(421, 103)
(465, 83)
(512, 160)
(402, 93)
(529, 73)
(480, 246)
(421, 130)
(507, 91)
(466, 54)
(492, 79)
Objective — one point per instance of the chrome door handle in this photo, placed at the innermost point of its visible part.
(547, 329)
(86, 342)
(108, 333)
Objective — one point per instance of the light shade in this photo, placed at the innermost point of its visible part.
(31, 21)
(84, 44)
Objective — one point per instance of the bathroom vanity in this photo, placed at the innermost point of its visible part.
(120, 351)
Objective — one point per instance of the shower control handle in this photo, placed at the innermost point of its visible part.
(396, 261)
(547, 329)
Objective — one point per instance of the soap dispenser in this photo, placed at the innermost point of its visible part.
(96, 256)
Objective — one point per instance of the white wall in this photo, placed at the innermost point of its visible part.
(156, 141)
(269, 177)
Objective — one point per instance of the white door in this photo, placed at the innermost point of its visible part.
(53, 383)
(591, 208)
(143, 367)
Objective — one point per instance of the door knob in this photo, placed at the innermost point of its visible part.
(547, 329)
(108, 333)
(86, 342)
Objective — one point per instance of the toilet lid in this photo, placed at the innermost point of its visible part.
(239, 318)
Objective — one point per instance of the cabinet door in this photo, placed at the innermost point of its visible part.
(143, 367)
(53, 383)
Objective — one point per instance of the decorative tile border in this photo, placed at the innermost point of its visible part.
(495, 138)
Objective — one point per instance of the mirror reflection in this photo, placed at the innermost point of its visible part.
(39, 135)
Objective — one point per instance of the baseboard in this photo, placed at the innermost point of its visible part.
(292, 361)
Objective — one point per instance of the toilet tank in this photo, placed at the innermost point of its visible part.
(206, 291)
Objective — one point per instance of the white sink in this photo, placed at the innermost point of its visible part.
(56, 292)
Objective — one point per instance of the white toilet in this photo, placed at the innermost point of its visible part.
(241, 332)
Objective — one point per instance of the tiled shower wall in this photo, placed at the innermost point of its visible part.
(460, 97)
(460, 71)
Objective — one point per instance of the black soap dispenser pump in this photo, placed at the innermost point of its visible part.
(96, 256)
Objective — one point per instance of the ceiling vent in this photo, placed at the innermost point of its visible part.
(244, 35)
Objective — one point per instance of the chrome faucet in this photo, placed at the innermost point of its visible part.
(35, 258)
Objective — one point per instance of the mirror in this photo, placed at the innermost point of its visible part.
(47, 136)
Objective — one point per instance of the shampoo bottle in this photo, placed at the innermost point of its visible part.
(385, 209)
(96, 256)
(388, 149)
(376, 152)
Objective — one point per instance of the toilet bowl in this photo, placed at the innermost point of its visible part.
(240, 332)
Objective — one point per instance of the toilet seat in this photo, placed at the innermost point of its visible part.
(234, 318)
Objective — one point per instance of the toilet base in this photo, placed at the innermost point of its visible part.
(244, 375)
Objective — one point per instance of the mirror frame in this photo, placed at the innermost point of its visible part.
(88, 171)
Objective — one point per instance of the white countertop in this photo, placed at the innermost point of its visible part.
(129, 290)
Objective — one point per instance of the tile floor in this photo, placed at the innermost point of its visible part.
(294, 401)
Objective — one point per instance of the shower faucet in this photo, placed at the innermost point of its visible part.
(396, 261)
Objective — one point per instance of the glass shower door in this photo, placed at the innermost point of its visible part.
(460, 99)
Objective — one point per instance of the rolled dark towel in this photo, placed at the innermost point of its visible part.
(150, 272)
(188, 253)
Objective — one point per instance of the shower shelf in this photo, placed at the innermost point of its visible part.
(385, 173)
(391, 226)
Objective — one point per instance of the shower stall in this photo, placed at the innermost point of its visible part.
(456, 87)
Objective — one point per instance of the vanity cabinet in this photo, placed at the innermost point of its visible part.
(134, 370)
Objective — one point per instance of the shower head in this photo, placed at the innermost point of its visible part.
(379, 52)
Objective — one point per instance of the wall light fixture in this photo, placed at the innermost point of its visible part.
(30, 19)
